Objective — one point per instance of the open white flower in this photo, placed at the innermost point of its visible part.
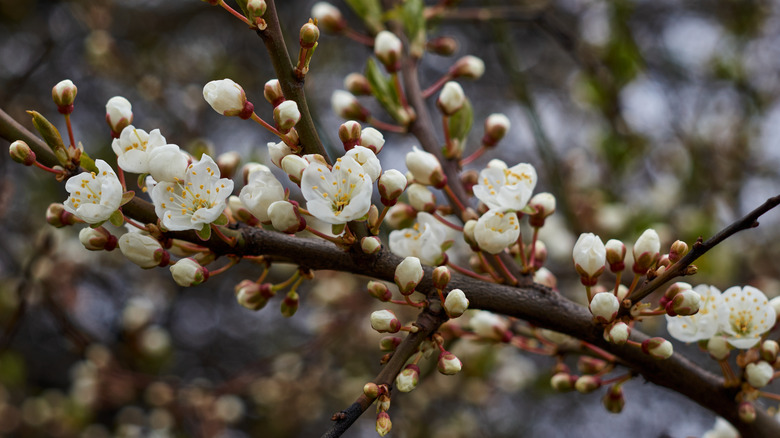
(133, 146)
(262, 190)
(702, 325)
(196, 200)
(506, 189)
(94, 197)
(337, 195)
(427, 240)
(496, 230)
(745, 315)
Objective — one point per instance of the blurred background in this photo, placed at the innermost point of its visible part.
(636, 114)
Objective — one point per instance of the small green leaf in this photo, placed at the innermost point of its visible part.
(370, 11)
(126, 197)
(142, 179)
(87, 163)
(383, 90)
(221, 220)
(117, 219)
(50, 135)
(460, 125)
(205, 232)
(414, 26)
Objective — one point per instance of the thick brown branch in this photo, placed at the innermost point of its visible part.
(291, 86)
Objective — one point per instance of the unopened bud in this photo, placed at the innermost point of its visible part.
(613, 400)
(119, 114)
(425, 168)
(255, 9)
(286, 115)
(272, 91)
(391, 185)
(309, 35)
(248, 295)
(646, 251)
(387, 48)
(371, 390)
(677, 251)
(747, 412)
(383, 423)
(718, 348)
(63, 94)
(586, 384)
(97, 239)
(346, 106)
(456, 303)
(370, 244)
(769, 350)
(328, 17)
(400, 216)
(617, 333)
(604, 307)
(408, 274)
(469, 67)
(408, 378)
(58, 217)
(143, 250)
(658, 348)
(290, 304)
(448, 363)
(685, 303)
(451, 99)
(286, 217)
(294, 165)
(188, 272)
(228, 164)
(616, 253)
(444, 46)
(562, 382)
(389, 343)
(759, 374)
(349, 134)
(544, 203)
(468, 234)
(357, 84)
(385, 321)
(496, 127)
(441, 276)
(372, 139)
(22, 153)
(420, 198)
(590, 365)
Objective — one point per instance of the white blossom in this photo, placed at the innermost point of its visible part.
(408, 274)
(277, 152)
(94, 197)
(589, 254)
(745, 315)
(196, 200)
(337, 195)
(496, 230)
(225, 97)
(604, 307)
(425, 167)
(759, 374)
(367, 159)
(451, 98)
(506, 189)
(488, 325)
(702, 325)
(427, 240)
(133, 147)
(168, 163)
(372, 139)
(262, 190)
(141, 249)
(384, 321)
(456, 303)
(119, 113)
(188, 272)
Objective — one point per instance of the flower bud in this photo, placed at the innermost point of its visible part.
(441, 276)
(389, 343)
(408, 378)
(383, 423)
(63, 94)
(718, 348)
(370, 244)
(277, 151)
(346, 106)
(469, 67)
(617, 333)
(658, 348)
(328, 17)
(228, 164)
(589, 256)
(685, 303)
(677, 251)
(544, 203)
(444, 46)
(496, 127)
(372, 139)
(448, 363)
(143, 250)
(540, 254)
(747, 412)
(489, 326)
(188, 272)
(391, 184)
(249, 295)
(646, 251)
(294, 166)
(604, 307)
(456, 303)
(119, 114)
(408, 274)
(379, 290)
(400, 216)
(387, 48)
(286, 217)
(616, 253)
(562, 382)
(349, 134)
(22, 153)
(290, 304)
(58, 217)
(769, 350)
(425, 168)
(613, 400)
(286, 115)
(384, 321)
(97, 239)
(587, 384)
(272, 91)
(255, 9)
(545, 277)
(228, 98)
(590, 365)
(383, 401)
(451, 98)
(357, 84)
(309, 35)
(420, 198)
(468, 234)
(759, 374)
(371, 390)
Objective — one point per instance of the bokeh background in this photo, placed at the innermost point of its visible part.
(635, 114)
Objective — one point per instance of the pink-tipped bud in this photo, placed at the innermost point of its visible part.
(64, 94)
(448, 363)
(496, 127)
(371, 390)
(616, 253)
(658, 348)
(469, 67)
(58, 217)
(97, 239)
(444, 46)
(590, 365)
(544, 203)
(407, 379)
(387, 48)
(441, 276)
(646, 251)
(370, 244)
(383, 423)
(290, 304)
(228, 98)
(389, 343)
(677, 251)
(143, 250)
(613, 400)
(349, 134)
(563, 382)
(286, 115)
(248, 295)
(188, 272)
(385, 321)
(22, 153)
(587, 384)
(747, 412)
(408, 274)
(272, 91)
(617, 333)
(309, 35)
(391, 185)
(286, 217)
(357, 84)
(328, 17)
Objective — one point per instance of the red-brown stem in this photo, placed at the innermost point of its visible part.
(336, 240)
(533, 247)
(445, 127)
(446, 222)
(121, 174)
(412, 303)
(511, 278)
(357, 36)
(399, 90)
(470, 273)
(133, 223)
(233, 261)
(235, 13)
(618, 276)
(454, 198)
(70, 130)
(478, 153)
(46, 168)
(275, 131)
(375, 228)
(489, 268)
(229, 240)
(428, 92)
(386, 126)
(600, 352)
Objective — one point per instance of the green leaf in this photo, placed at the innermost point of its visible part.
(370, 11)
(414, 26)
(460, 125)
(87, 163)
(142, 180)
(127, 197)
(51, 136)
(383, 90)
(117, 219)
(205, 232)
